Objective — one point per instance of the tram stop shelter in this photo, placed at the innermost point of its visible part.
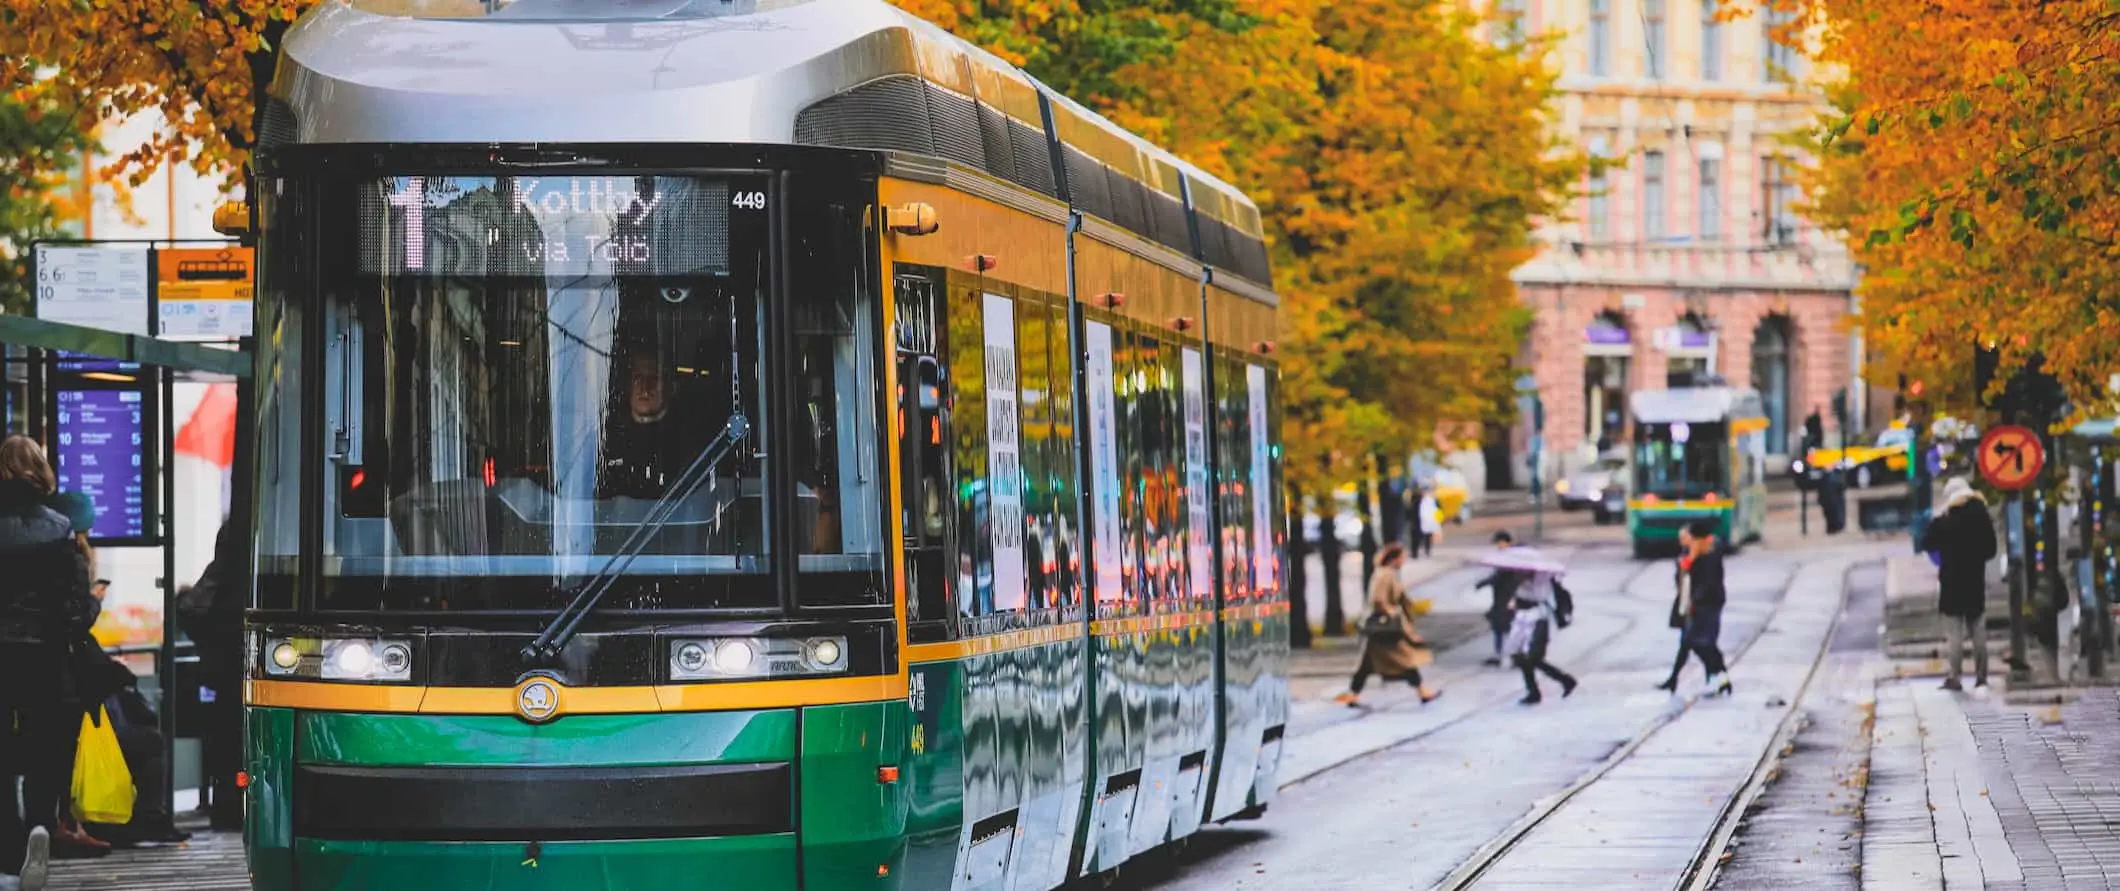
(34, 348)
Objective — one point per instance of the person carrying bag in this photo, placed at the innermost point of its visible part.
(1390, 645)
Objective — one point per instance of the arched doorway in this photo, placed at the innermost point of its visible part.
(1771, 361)
(1607, 348)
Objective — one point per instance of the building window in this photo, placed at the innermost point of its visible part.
(1710, 202)
(1653, 38)
(1771, 375)
(1653, 195)
(1600, 37)
(1607, 344)
(1686, 353)
(1711, 51)
(1596, 215)
(1779, 57)
(1778, 198)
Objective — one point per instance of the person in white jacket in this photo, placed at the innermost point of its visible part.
(1430, 516)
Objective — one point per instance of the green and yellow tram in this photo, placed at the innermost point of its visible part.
(1700, 453)
(744, 444)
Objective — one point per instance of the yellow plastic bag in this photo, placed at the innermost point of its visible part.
(1424, 606)
(103, 785)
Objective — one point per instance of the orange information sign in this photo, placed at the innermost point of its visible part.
(205, 292)
(2011, 457)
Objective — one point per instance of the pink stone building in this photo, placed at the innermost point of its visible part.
(1687, 256)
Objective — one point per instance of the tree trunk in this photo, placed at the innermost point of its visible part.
(1329, 551)
(1298, 576)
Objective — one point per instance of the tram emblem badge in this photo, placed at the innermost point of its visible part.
(537, 700)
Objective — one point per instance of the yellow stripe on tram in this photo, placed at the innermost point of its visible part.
(740, 696)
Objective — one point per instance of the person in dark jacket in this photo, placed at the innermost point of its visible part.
(1704, 596)
(1679, 607)
(211, 614)
(1964, 537)
(1502, 583)
(44, 606)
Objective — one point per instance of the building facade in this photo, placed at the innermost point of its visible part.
(1686, 257)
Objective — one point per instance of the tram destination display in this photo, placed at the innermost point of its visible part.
(549, 226)
(99, 449)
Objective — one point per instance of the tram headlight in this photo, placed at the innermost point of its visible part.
(728, 658)
(824, 652)
(356, 659)
(283, 657)
(367, 660)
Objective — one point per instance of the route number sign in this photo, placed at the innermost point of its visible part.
(2010, 458)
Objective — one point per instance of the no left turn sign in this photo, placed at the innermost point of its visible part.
(2010, 457)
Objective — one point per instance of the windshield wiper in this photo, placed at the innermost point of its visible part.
(561, 629)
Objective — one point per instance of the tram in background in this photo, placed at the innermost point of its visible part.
(773, 444)
(1700, 453)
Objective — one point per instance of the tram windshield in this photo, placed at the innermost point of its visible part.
(520, 369)
(1680, 460)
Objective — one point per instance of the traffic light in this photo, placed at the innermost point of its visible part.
(1985, 359)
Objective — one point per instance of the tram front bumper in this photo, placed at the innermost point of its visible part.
(411, 802)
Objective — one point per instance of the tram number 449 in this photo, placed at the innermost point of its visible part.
(751, 200)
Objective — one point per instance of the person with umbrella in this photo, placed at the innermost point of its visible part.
(1502, 583)
(1537, 609)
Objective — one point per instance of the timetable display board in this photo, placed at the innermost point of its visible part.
(101, 442)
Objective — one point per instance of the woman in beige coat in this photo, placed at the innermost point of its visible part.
(1396, 653)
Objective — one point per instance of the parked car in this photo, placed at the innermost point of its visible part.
(1600, 487)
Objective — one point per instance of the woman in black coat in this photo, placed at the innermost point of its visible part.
(1705, 596)
(1964, 537)
(45, 605)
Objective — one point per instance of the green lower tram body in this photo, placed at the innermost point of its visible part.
(1662, 525)
(993, 755)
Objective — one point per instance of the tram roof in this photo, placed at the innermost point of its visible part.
(1693, 405)
(656, 71)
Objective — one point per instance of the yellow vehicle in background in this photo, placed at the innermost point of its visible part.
(1866, 465)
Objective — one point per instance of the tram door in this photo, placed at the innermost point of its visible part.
(924, 494)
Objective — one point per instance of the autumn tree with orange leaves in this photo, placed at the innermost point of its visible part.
(1973, 166)
(1400, 159)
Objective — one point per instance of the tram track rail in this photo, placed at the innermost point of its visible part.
(1700, 869)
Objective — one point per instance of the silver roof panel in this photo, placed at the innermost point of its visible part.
(353, 74)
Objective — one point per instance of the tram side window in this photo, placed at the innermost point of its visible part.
(282, 318)
(1233, 448)
(1167, 549)
(530, 365)
(834, 442)
(1272, 538)
(1132, 379)
(925, 498)
(967, 407)
(1061, 466)
(1034, 375)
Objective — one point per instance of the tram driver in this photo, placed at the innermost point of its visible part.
(646, 449)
